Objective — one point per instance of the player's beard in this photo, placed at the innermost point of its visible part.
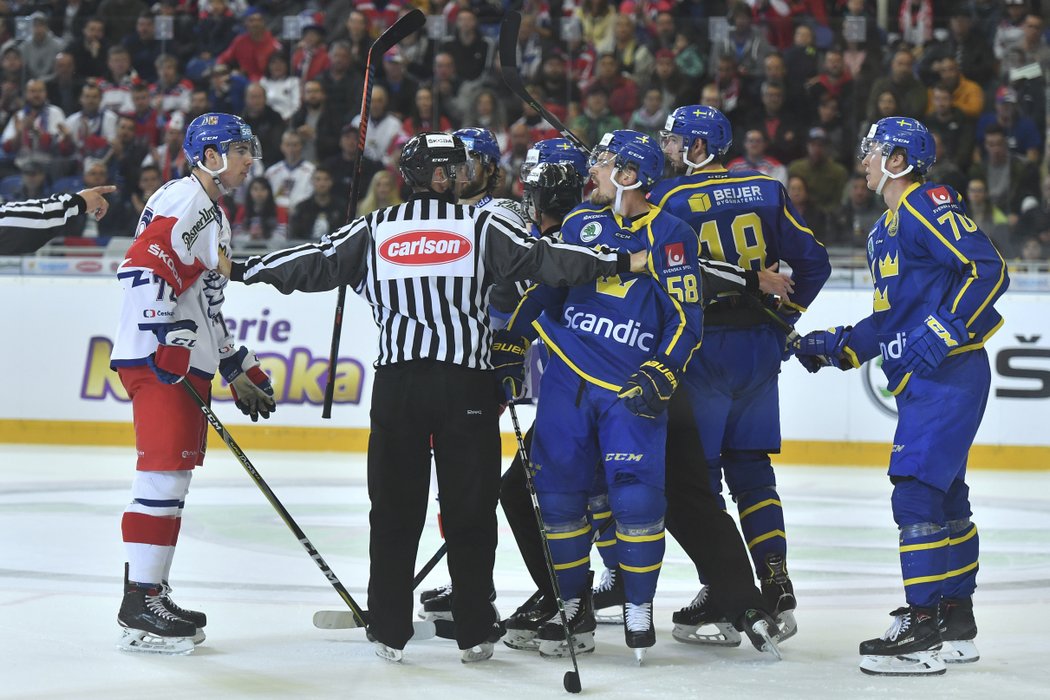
(598, 199)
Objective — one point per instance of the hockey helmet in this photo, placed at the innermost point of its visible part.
(552, 189)
(686, 124)
(905, 133)
(556, 150)
(631, 149)
(219, 131)
(427, 151)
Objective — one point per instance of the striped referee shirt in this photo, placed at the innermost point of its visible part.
(26, 226)
(427, 267)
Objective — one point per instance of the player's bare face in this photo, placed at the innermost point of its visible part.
(601, 172)
(238, 164)
(872, 169)
(671, 145)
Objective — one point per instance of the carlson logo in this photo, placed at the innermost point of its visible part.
(89, 266)
(424, 248)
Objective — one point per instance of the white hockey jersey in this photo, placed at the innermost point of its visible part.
(169, 275)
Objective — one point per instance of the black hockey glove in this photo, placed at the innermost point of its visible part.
(508, 359)
(648, 390)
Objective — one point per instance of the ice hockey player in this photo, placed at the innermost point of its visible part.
(618, 347)
(426, 267)
(743, 218)
(937, 277)
(171, 330)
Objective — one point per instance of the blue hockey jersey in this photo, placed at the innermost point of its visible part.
(927, 256)
(606, 329)
(746, 218)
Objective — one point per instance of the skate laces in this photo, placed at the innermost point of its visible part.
(155, 604)
(638, 618)
(901, 624)
(699, 600)
(572, 608)
(608, 581)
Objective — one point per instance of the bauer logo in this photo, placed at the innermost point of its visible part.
(939, 196)
(424, 248)
(591, 231)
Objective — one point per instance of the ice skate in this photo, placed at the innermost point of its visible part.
(761, 629)
(580, 614)
(388, 653)
(698, 615)
(478, 652)
(609, 594)
(524, 625)
(909, 647)
(439, 606)
(638, 628)
(198, 618)
(148, 626)
(434, 593)
(780, 596)
(958, 630)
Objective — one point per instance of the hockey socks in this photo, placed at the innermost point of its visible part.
(599, 513)
(640, 543)
(963, 548)
(151, 522)
(762, 524)
(924, 561)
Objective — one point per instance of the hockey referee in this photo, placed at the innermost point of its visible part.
(426, 266)
(26, 226)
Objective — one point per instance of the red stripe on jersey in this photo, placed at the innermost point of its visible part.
(153, 251)
(148, 529)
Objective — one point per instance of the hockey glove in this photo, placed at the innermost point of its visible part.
(929, 343)
(171, 361)
(508, 359)
(822, 348)
(250, 386)
(648, 390)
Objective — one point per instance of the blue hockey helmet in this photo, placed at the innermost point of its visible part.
(905, 133)
(479, 142)
(558, 150)
(632, 149)
(686, 124)
(217, 130)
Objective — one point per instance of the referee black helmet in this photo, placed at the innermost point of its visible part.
(553, 189)
(426, 152)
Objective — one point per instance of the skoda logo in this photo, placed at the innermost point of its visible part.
(591, 231)
(875, 386)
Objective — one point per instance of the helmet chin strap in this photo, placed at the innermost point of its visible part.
(887, 175)
(215, 173)
(692, 167)
(620, 189)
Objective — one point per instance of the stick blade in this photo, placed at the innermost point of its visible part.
(345, 620)
(413, 21)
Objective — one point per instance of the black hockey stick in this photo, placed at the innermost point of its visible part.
(792, 337)
(358, 613)
(411, 22)
(571, 681)
(508, 59)
(429, 566)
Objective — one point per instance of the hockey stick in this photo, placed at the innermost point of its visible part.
(571, 680)
(355, 609)
(411, 22)
(792, 337)
(508, 59)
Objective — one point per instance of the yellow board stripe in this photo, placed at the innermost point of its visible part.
(572, 564)
(968, 536)
(759, 506)
(640, 569)
(639, 538)
(927, 545)
(767, 536)
(940, 577)
(568, 535)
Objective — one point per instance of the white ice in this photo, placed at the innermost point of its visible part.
(62, 561)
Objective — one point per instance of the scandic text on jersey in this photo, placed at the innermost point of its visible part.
(424, 248)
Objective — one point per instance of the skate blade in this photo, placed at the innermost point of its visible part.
(923, 663)
(787, 625)
(199, 636)
(476, 654)
(763, 640)
(551, 649)
(609, 618)
(142, 642)
(726, 635)
(959, 652)
(435, 616)
(639, 654)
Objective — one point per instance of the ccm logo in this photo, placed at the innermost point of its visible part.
(425, 248)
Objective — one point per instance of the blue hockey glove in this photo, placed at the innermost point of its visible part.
(508, 359)
(822, 348)
(171, 361)
(931, 341)
(648, 390)
(251, 387)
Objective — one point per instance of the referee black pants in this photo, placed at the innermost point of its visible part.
(458, 406)
(697, 522)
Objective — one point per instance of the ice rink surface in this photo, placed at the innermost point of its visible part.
(62, 562)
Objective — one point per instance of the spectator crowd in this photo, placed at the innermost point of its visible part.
(101, 90)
